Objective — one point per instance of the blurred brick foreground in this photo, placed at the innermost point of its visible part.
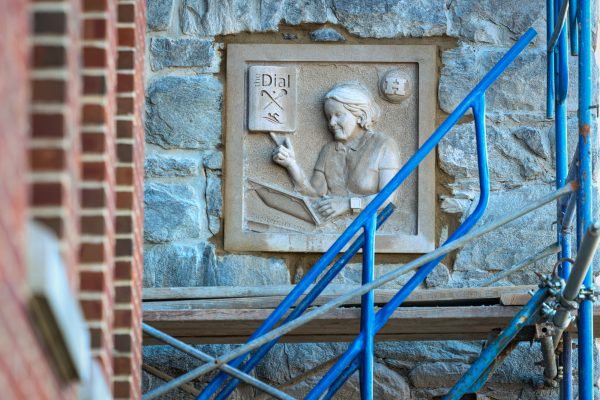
(71, 159)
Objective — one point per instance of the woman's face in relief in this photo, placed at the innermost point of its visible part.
(341, 122)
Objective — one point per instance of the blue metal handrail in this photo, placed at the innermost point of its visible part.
(474, 101)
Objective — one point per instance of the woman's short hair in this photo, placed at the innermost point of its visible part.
(357, 99)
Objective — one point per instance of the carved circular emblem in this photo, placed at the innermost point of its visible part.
(394, 86)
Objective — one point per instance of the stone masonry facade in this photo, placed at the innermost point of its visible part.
(186, 49)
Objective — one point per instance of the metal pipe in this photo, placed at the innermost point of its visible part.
(549, 60)
(343, 378)
(548, 251)
(473, 97)
(584, 195)
(166, 377)
(550, 367)
(367, 317)
(566, 387)
(559, 26)
(487, 356)
(178, 344)
(302, 306)
(390, 276)
(573, 27)
(384, 314)
(572, 288)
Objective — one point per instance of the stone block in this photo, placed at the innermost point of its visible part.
(387, 385)
(326, 35)
(170, 166)
(168, 52)
(515, 154)
(439, 277)
(518, 89)
(436, 374)
(492, 21)
(351, 274)
(391, 18)
(184, 112)
(172, 212)
(214, 201)
(408, 355)
(213, 17)
(177, 264)
(238, 270)
(159, 14)
(214, 160)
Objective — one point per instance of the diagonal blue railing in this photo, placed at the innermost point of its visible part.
(370, 323)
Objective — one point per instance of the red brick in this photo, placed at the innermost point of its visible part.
(126, 12)
(93, 225)
(93, 310)
(125, 105)
(123, 343)
(123, 270)
(124, 224)
(91, 281)
(47, 194)
(46, 159)
(123, 319)
(124, 129)
(125, 152)
(94, 57)
(125, 176)
(95, 5)
(49, 22)
(48, 56)
(125, 59)
(124, 247)
(122, 389)
(94, 29)
(94, 85)
(123, 294)
(122, 365)
(124, 200)
(126, 37)
(47, 125)
(92, 142)
(124, 82)
(49, 91)
(93, 198)
(92, 253)
(93, 114)
(94, 171)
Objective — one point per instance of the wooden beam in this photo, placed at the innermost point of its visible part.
(407, 323)
(271, 296)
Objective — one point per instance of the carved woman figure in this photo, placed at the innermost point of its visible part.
(356, 165)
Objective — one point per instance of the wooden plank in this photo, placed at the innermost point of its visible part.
(408, 323)
(271, 296)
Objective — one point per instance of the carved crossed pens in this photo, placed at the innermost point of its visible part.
(274, 99)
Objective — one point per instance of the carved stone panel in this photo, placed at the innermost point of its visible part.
(314, 132)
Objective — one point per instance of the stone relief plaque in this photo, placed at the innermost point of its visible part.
(323, 129)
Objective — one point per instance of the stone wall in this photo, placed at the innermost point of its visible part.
(187, 43)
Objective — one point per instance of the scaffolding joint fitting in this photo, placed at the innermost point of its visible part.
(587, 294)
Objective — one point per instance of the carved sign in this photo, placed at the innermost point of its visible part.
(272, 99)
(358, 113)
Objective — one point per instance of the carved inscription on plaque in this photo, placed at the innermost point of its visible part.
(272, 98)
(316, 135)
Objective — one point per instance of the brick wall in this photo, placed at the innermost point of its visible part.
(71, 157)
(129, 227)
(98, 161)
(24, 372)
